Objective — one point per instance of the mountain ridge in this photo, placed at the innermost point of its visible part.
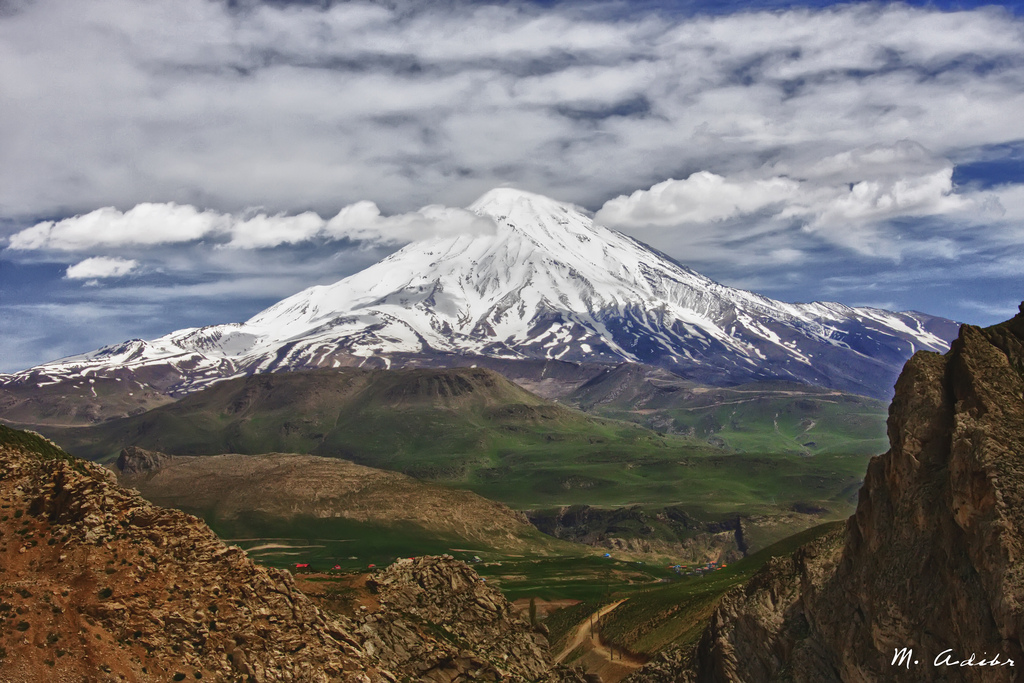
(473, 429)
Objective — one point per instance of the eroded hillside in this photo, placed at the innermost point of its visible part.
(234, 490)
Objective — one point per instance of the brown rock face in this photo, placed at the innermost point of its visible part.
(931, 561)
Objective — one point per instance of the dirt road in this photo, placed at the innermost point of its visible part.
(583, 636)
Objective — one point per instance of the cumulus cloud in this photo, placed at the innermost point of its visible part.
(700, 198)
(99, 267)
(879, 200)
(262, 230)
(163, 224)
(145, 224)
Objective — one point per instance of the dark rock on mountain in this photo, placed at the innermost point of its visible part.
(632, 385)
(549, 378)
(135, 460)
(931, 562)
(86, 400)
(669, 531)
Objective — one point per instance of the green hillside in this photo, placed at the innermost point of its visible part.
(758, 417)
(472, 428)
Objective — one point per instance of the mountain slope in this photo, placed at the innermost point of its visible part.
(547, 284)
(768, 417)
(98, 584)
(298, 494)
(411, 420)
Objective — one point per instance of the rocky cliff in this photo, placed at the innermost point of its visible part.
(926, 582)
(97, 584)
(668, 531)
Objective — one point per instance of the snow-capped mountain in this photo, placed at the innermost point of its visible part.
(547, 284)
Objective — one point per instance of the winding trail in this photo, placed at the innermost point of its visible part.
(582, 634)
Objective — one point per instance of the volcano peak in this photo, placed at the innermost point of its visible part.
(548, 285)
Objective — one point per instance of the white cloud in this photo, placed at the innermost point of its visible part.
(162, 224)
(901, 158)
(362, 221)
(586, 85)
(101, 267)
(120, 103)
(700, 198)
(850, 203)
(145, 224)
(270, 231)
(879, 200)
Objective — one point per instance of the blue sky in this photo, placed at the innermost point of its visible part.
(173, 164)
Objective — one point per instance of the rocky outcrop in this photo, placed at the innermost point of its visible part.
(135, 460)
(671, 531)
(667, 532)
(434, 619)
(931, 563)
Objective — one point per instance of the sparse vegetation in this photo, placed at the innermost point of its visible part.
(677, 613)
(36, 444)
